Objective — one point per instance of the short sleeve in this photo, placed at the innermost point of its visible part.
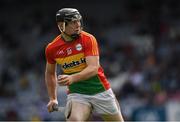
(49, 56)
(91, 47)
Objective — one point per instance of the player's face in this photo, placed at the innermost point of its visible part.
(73, 27)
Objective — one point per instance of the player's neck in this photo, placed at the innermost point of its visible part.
(66, 37)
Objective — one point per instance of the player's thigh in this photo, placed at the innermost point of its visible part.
(116, 117)
(79, 111)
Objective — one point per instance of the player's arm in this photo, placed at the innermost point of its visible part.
(51, 83)
(50, 78)
(90, 71)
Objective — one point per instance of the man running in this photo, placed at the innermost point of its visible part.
(76, 51)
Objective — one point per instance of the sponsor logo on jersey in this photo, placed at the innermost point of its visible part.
(78, 47)
(69, 51)
(73, 63)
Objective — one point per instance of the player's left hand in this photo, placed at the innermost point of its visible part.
(64, 80)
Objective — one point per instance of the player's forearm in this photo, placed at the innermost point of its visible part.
(51, 85)
(88, 72)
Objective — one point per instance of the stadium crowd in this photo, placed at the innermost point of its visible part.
(140, 53)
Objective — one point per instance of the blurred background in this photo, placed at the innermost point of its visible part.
(140, 52)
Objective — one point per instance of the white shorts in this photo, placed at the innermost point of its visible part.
(101, 103)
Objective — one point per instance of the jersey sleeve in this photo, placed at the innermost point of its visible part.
(49, 56)
(91, 47)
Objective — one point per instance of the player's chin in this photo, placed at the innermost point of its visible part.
(78, 31)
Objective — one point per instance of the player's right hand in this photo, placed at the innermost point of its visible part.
(51, 104)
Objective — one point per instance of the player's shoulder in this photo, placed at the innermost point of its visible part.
(87, 35)
(54, 42)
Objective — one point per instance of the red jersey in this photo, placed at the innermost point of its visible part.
(71, 56)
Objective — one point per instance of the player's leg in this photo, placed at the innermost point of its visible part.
(79, 111)
(115, 117)
(107, 106)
